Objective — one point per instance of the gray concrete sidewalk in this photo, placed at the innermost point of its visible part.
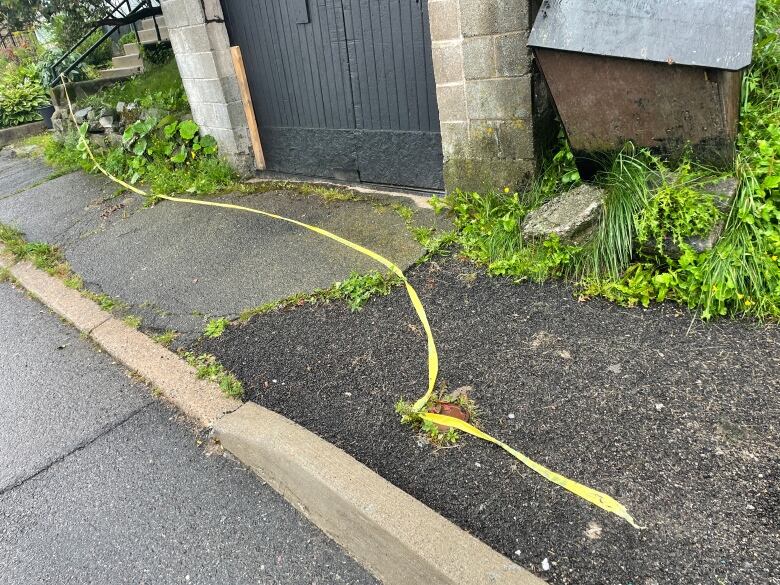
(101, 483)
(177, 265)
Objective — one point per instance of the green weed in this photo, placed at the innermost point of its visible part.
(132, 321)
(215, 328)
(208, 368)
(166, 338)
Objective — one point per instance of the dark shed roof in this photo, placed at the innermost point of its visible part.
(705, 33)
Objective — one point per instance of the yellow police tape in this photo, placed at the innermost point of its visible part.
(593, 496)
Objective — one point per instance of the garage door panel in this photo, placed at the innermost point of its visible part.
(343, 65)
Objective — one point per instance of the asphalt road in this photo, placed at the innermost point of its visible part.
(101, 483)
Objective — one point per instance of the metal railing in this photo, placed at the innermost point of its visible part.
(123, 13)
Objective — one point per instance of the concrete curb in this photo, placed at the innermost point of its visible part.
(392, 534)
(395, 536)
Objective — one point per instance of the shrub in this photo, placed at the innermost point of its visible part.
(21, 94)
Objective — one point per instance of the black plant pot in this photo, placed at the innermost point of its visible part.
(46, 113)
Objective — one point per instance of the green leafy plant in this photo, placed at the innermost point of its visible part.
(215, 328)
(166, 338)
(675, 212)
(359, 288)
(21, 94)
(208, 368)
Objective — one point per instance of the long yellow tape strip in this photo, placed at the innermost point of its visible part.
(593, 496)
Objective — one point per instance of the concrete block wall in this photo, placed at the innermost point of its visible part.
(202, 48)
(492, 105)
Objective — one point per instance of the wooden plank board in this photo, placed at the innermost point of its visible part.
(249, 110)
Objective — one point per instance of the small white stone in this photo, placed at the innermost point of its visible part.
(511, 415)
(749, 507)
(274, 381)
(348, 394)
(659, 407)
(518, 552)
(546, 565)
(477, 464)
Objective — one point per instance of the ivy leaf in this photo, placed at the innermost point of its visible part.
(188, 129)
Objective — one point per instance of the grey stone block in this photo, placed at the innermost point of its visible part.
(448, 63)
(445, 20)
(190, 39)
(455, 139)
(479, 58)
(573, 217)
(513, 57)
(480, 17)
(452, 102)
(502, 99)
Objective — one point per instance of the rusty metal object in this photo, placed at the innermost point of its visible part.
(662, 74)
(605, 102)
(450, 409)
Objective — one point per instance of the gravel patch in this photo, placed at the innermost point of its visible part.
(675, 418)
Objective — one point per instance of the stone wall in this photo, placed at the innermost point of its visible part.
(200, 42)
(493, 105)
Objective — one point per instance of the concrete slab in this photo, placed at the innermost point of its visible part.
(51, 402)
(182, 263)
(66, 209)
(144, 504)
(17, 174)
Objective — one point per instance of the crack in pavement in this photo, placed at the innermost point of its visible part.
(108, 428)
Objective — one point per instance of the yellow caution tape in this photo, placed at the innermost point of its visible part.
(595, 497)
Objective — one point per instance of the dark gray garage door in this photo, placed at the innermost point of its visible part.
(342, 88)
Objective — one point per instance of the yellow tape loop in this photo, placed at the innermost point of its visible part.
(597, 498)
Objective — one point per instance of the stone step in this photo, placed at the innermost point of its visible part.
(148, 23)
(120, 73)
(127, 61)
(132, 49)
(149, 37)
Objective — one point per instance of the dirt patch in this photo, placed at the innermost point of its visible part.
(675, 418)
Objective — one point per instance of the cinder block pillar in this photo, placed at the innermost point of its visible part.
(202, 48)
(492, 105)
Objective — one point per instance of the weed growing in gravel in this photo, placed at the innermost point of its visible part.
(215, 328)
(359, 288)
(5, 275)
(208, 368)
(355, 291)
(166, 338)
(132, 321)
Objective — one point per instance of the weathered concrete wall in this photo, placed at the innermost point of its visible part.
(200, 41)
(492, 104)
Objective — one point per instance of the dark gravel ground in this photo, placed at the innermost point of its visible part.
(675, 418)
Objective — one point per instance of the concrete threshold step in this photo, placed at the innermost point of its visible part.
(120, 73)
(148, 23)
(131, 49)
(150, 36)
(126, 61)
